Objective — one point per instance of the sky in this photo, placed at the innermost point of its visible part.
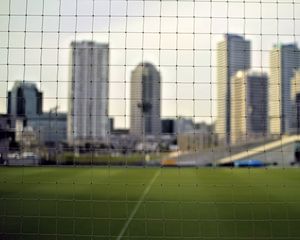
(178, 37)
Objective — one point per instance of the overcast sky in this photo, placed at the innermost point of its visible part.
(161, 32)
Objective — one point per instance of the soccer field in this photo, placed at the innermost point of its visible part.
(149, 203)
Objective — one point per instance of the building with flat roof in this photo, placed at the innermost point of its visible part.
(145, 101)
(233, 55)
(24, 101)
(88, 93)
(295, 100)
(50, 127)
(249, 107)
(284, 61)
(168, 126)
(7, 136)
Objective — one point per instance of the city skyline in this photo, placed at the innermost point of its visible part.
(136, 33)
(193, 116)
(89, 88)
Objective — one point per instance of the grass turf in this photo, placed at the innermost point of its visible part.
(94, 203)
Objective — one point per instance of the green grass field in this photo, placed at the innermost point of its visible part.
(149, 203)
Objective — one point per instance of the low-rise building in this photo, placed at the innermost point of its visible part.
(6, 137)
(184, 125)
(46, 129)
(199, 137)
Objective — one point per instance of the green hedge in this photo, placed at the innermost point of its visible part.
(105, 159)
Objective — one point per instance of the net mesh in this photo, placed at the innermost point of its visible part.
(102, 96)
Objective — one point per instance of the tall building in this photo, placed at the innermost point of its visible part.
(295, 100)
(145, 101)
(88, 93)
(233, 55)
(24, 101)
(249, 107)
(284, 60)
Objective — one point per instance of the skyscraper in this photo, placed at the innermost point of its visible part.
(24, 101)
(284, 60)
(145, 101)
(233, 55)
(249, 106)
(88, 93)
(295, 100)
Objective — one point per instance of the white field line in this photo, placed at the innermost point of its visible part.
(260, 149)
(137, 206)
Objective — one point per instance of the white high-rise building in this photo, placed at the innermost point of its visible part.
(284, 61)
(88, 93)
(233, 55)
(145, 101)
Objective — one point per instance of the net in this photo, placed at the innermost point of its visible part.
(138, 116)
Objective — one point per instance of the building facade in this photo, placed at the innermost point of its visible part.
(284, 61)
(145, 101)
(295, 99)
(88, 93)
(249, 107)
(6, 137)
(51, 127)
(233, 55)
(24, 101)
(196, 136)
(168, 126)
(184, 125)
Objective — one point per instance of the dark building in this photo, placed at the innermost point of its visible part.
(117, 131)
(24, 101)
(168, 126)
(6, 137)
(258, 103)
(111, 124)
(295, 102)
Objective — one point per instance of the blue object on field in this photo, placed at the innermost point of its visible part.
(249, 163)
